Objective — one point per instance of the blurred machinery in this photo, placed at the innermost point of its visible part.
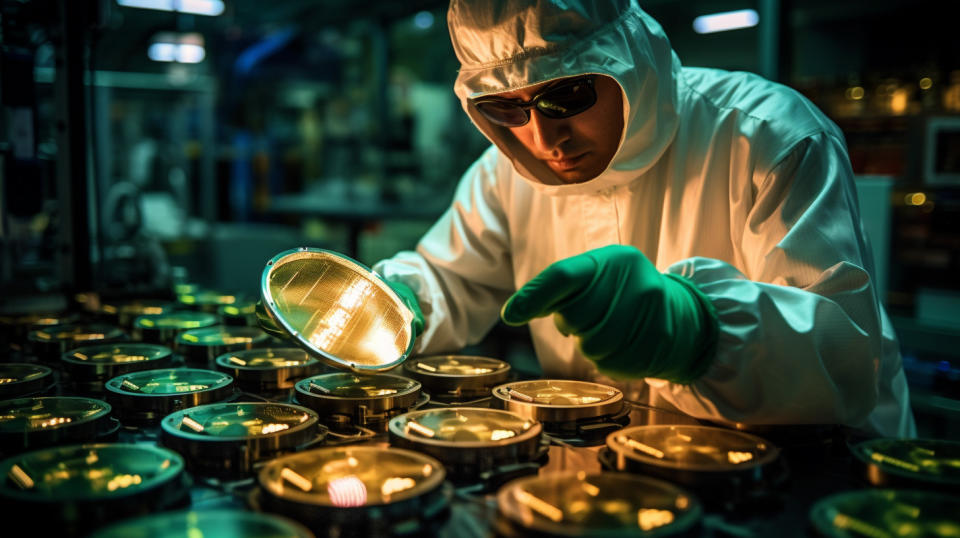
(63, 232)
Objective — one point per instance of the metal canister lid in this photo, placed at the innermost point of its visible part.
(223, 523)
(599, 505)
(87, 473)
(179, 320)
(24, 415)
(351, 477)
(20, 379)
(558, 400)
(457, 377)
(107, 360)
(918, 463)
(463, 427)
(692, 448)
(238, 421)
(170, 381)
(886, 512)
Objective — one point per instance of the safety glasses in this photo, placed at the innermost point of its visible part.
(561, 100)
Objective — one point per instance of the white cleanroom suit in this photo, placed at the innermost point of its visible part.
(735, 182)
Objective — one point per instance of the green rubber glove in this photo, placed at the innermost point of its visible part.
(409, 298)
(629, 318)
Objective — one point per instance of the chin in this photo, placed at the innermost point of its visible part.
(576, 175)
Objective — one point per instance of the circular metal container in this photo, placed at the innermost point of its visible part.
(225, 440)
(89, 367)
(910, 463)
(185, 288)
(345, 400)
(470, 442)
(269, 372)
(206, 300)
(14, 328)
(163, 329)
(566, 408)
(123, 313)
(596, 505)
(70, 490)
(722, 466)
(457, 378)
(357, 491)
(200, 347)
(220, 523)
(22, 323)
(50, 343)
(143, 398)
(22, 379)
(30, 423)
(337, 309)
(887, 512)
(242, 313)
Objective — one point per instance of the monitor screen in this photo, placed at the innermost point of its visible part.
(941, 152)
(947, 152)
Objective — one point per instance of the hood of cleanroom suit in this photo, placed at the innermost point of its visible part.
(737, 183)
(504, 46)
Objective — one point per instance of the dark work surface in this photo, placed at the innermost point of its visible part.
(818, 462)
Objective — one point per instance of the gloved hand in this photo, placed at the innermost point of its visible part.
(629, 318)
(409, 298)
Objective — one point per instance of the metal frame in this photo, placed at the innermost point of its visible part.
(328, 358)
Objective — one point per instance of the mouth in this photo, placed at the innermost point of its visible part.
(566, 163)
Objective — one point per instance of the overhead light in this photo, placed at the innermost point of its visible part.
(180, 48)
(423, 20)
(162, 52)
(728, 20)
(195, 7)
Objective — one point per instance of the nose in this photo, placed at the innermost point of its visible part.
(548, 134)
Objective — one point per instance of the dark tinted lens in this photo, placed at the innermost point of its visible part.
(503, 113)
(566, 100)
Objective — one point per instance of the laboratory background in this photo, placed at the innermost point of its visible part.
(156, 156)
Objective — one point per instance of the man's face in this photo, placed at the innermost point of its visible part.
(580, 147)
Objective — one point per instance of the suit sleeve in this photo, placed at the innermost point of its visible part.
(461, 270)
(801, 331)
